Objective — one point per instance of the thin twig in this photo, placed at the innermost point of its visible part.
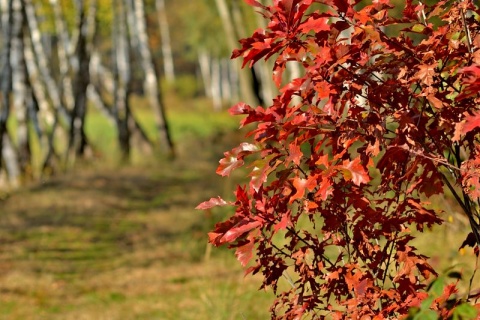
(467, 31)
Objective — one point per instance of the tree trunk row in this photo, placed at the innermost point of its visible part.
(48, 102)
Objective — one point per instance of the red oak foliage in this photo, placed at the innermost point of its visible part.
(345, 156)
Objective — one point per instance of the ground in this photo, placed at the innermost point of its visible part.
(121, 242)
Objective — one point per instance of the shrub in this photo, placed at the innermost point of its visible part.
(345, 159)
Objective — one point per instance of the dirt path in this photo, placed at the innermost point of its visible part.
(120, 243)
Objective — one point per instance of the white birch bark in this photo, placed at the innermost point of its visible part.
(95, 98)
(216, 85)
(121, 79)
(37, 85)
(102, 77)
(168, 63)
(64, 56)
(47, 113)
(295, 72)
(226, 85)
(4, 12)
(6, 84)
(244, 74)
(204, 63)
(99, 74)
(233, 78)
(11, 161)
(19, 89)
(41, 58)
(151, 80)
(86, 25)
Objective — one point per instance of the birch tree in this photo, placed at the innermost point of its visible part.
(245, 77)
(121, 78)
(19, 89)
(151, 80)
(11, 67)
(77, 136)
(168, 64)
(45, 85)
(6, 75)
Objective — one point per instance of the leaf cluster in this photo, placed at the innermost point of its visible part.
(346, 157)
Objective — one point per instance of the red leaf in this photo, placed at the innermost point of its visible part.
(278, 69)
(239, 108)
(284, 223)
(316, 25)
(238, 230)
(354, 170)
(259, 174)
(213, 202)
(254, 3)
(471, 122)
(325, 189)
(471, 81)
(472, 74)
(295, 154)
(470, 241)
(299, 185)
(229, 163)
(234, 158)
(244, 253)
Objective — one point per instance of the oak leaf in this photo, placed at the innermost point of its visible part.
(213, 202)
(316, 25)
(354, 170)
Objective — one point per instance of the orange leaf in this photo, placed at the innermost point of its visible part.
(295, 154)
(238, 230)
(426, 73)
(213, 202)
(354, 170)
(244, 253)
(315, 25)
(299, 185)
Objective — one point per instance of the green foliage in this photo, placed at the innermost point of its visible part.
(441, 296)
(185, 86)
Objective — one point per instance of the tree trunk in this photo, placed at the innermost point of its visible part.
(48, 114)
(19, 88)
(64, 56)
(100, 75)
(226, 84)
(121, 79)
(151, 79)
(204, 63)
(77, 137)
(168, 64)
(233, 78)
(244, 75)
(6, 75)
(11, 161)
(216, 85)
(264, 70)
(41, 58)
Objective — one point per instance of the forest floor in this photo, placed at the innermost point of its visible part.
(113, 242)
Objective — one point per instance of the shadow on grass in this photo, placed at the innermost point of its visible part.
(120, 243)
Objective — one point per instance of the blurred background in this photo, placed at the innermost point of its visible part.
(112, 121)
